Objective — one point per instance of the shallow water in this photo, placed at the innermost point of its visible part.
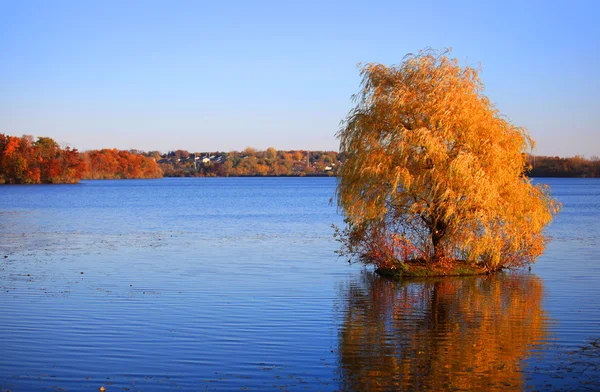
(232, 283)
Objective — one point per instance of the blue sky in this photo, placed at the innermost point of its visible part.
(163, 75)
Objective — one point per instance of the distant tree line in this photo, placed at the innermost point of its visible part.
(114, 164)
(272, 162)
(249, 162)
(25, 161)
(577, 166)
(43, 161)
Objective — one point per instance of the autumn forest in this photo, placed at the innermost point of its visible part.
(24, 160)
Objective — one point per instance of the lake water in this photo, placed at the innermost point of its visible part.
(233, 284)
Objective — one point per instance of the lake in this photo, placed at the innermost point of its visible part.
(232, 284)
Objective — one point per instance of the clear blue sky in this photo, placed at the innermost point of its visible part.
(163, 75)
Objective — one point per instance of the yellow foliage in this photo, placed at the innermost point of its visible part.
(433, 164)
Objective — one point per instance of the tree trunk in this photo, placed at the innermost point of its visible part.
(437, 233)
(438, 250)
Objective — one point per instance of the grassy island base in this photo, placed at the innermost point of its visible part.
(421, 269)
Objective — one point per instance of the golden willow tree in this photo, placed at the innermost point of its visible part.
(434, 174)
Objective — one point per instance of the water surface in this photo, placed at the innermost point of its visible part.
(232, 283)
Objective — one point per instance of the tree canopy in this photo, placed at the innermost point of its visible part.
(435, 173)
(25, 161)
(119, 164)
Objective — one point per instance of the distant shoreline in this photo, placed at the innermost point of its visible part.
(24, 160)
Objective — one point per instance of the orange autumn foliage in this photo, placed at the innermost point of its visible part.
(434, 172)
(25, 161)
(119, 164)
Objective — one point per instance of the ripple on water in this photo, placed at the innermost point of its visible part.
(224, 284)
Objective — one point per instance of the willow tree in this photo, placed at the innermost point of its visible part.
(434, 173)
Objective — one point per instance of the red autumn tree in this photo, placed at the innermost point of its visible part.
(23, 161)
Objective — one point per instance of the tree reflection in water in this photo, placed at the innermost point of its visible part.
(468, 333)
